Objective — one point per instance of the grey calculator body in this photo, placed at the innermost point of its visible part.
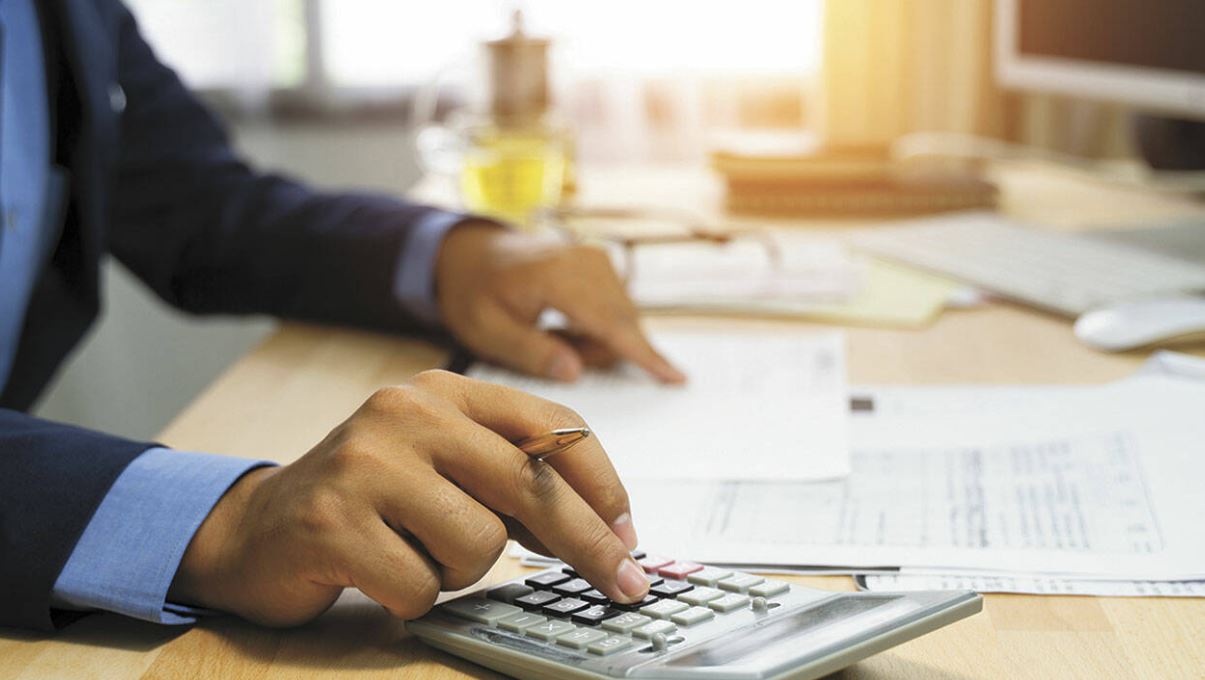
(799, 633)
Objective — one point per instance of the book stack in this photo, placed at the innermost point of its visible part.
(796, 176)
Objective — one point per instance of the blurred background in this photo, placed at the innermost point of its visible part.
(330, 91)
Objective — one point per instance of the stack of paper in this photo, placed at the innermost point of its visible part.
(1027, 489)
(785, 275)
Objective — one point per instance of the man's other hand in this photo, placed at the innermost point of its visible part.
(492, 286)
(415, 493)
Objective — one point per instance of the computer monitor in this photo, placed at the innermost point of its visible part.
(1149, 54)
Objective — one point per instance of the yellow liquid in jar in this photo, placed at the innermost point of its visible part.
(510, 176)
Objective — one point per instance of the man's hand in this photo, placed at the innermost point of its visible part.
(492, 285)
(415, 493)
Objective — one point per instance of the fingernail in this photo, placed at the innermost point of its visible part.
(564, 366)
(673, 375)
(622, 526)
(631, 581)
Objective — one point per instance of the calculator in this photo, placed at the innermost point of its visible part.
(698, 621)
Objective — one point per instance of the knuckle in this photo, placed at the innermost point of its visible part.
(436, 379)
(537, 480)
(422, 591)
(387, 399)
(599, 543)
(414, 401)
(490, 540)
(319, 513)
(559, 415)
(354, 455)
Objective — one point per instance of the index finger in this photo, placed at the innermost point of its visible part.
(517, 415)
(598, 306)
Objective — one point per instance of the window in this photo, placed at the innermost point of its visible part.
(340, 48)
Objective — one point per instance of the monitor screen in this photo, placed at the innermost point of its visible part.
(1144, 33)
(1147, 53)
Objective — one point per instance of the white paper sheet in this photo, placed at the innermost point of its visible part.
(755, 407)
(772, 268)
(1037, 584)
(1094, 481)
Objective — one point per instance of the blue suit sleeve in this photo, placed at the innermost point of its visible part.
(414, 285)
(211, 235)
(127, 556)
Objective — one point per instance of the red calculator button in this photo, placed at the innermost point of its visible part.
(652, 563)
(679, 570)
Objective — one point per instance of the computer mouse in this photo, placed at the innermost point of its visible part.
(1129, 325)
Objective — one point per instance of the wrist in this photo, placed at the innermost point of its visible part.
(208, 575)
(461, 254)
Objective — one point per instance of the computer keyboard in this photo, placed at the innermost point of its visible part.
(1060, 272)
(697, 621)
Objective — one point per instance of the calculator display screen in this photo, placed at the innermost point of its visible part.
(832, 621)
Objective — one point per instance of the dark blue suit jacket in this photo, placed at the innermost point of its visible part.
(154, 182)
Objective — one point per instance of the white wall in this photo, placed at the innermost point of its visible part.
(144, 362)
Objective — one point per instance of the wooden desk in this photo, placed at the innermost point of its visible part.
(284, 396)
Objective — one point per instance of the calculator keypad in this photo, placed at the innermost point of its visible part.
(708, 576)
(739, 583)
(664, 609)
(481, 610)
(565, 607)
(549, 630)
(537, 599)
(626, 622)
(517, 623)
(578, 638)
(692, 616)
(561, 608)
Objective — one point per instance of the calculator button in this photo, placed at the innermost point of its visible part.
(708, 576)
(595, 596)
(739, 583)
(509, 592)
(679, 570)
(701, 595)
(769, 589)
(671, 589)
(592, 616)
(569, 570)
(577, 585)
(625, 622)
(692, 616)
(609, 645)
(652, 628)
(547, 579)
(549, 629)
(654, 579)
(521, 621)
(537, 599)
(728, 603)
(565, 607)
(635, 606)
(652, 563)
(480, 610)
(638, 554)
(580, 637)
(664, 609)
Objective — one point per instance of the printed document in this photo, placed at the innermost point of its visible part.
(1040, 584)
(1099, 482)
(755, 407)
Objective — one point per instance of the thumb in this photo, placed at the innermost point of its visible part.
(522, 346)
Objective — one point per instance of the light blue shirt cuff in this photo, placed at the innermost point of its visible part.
(128, 554)
(414, 283)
